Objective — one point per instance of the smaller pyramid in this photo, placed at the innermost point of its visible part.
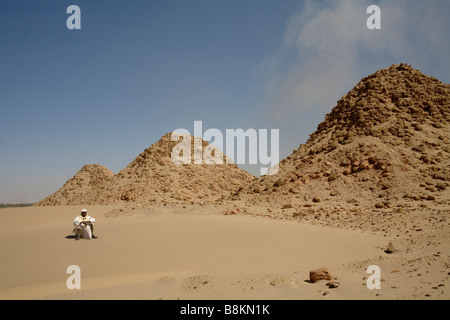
(153, 178)
(82, 189)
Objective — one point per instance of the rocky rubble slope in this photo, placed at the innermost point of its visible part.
(385, 142)
(153, 179)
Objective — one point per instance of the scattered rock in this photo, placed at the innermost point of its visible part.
(440, 175)
(390, 249)
(347, 171)
(418, 149)
(332, 284)
(364, 165)
(333, 176)
(379, 205)
(320, 274)
(441, 186)
(334, 193)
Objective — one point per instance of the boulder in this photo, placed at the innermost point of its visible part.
(320, 274)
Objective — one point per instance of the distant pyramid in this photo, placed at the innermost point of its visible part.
(152, 178)
(386, 140)
(84, 188)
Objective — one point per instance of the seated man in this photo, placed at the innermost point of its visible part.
(84, 226)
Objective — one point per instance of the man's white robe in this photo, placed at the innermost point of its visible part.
(85, 229)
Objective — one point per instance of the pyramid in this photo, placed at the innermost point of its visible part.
(153, 178)
(385, 141)
(82, 189)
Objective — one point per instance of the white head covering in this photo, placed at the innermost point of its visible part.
(84, 210)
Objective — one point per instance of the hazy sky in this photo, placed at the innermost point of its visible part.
(139, 69)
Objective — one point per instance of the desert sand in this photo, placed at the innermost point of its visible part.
(374, 177)
(199, 253)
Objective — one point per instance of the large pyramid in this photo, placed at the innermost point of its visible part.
(385, 141)
(153, 178)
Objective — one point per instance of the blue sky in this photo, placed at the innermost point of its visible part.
(139, 69)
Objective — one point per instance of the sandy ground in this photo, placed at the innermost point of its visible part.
(196, 253)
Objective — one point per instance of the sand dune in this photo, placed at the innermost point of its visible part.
(176, 253)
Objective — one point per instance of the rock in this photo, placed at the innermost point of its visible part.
(418, 148)
(127, 197)
(372, 160)
(379, 205)
(320, 274)
(440, 175)
(441, 186)
(334, 193)
(278, 183)
(400, 210)
(347, 171)
(316, 199)
(364, 165)
(437, 125)
(333, 145)
(332, 284)
(333, 176)
(390, 249)
(395, 97)
(326, 293)
(287, 206)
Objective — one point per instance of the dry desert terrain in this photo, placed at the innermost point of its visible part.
(197, 252)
